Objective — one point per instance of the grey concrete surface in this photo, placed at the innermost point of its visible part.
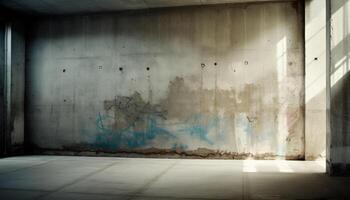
(63, 177)
(315, 79)
(224, 80)
(17, 84)
(89, 6)
(12, 78)
(339, 140)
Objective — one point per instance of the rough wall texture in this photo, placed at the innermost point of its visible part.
(315, 79)
(339, 162)
(212, 80)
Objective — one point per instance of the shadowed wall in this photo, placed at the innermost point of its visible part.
(339, 138)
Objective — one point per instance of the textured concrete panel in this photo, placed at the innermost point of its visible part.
(216, 81)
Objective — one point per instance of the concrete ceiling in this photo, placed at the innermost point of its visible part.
(90, 6)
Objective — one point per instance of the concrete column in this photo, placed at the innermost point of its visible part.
(338, 160)
(315, 79)
(12, 87)
(17, 86)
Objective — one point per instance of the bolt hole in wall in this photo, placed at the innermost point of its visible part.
(179, 109)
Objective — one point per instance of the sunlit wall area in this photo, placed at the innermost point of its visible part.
(315, 79)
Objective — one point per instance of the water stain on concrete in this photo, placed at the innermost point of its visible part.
(130, 110)
(224, 123)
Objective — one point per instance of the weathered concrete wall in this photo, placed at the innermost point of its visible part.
(315, 79)
(339, 140)
(209, 81)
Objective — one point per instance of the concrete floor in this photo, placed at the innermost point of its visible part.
(63, 177)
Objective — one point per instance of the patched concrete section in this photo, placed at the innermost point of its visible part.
(211, 81)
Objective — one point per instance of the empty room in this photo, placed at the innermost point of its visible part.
(174, 99)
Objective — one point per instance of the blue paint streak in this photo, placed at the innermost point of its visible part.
(196, 126)
(199, 129)
(128, 138)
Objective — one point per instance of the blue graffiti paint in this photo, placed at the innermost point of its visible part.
(197, 126)
(128, 137)
(242, 121)
(198, 129)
